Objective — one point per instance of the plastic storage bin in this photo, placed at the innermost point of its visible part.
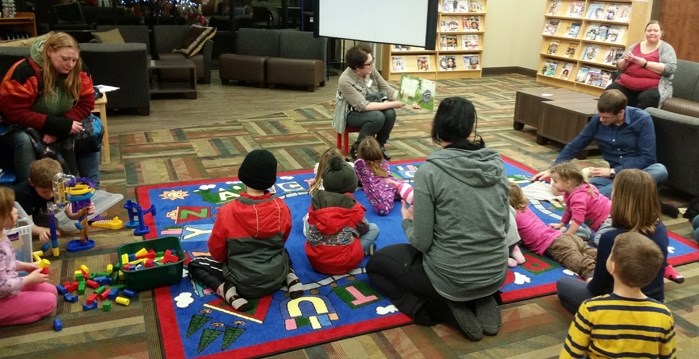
(103, 201)
(21, 236)
(149, 278)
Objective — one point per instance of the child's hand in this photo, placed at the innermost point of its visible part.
(557, 225)
(35, 277)
(44, 234)
(91, 209)
(406, 210)
(27, 267)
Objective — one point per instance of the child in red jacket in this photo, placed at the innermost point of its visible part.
(338, 234)
(248, 258)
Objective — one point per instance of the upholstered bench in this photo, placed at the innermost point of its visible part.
(294, 72)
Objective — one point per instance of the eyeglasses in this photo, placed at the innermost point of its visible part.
(369, 63)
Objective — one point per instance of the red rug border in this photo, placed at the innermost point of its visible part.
(174, 348)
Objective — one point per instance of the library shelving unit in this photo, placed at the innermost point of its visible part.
(21, 26)
(458, 49)
(582, 39)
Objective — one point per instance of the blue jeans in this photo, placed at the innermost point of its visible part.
(369, 237)
(695, 225)
(20, 145)
(572, 292)
(656, 170)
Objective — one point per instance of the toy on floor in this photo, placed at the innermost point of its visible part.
(135, 210)
(114, 223)
(77, 193)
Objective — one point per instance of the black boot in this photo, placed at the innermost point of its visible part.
(353, 151)
(385, 154)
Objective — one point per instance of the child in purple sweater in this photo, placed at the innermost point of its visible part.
(584, 203)
(373, 172)
(568, 249)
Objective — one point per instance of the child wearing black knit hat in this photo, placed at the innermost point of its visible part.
(248, 259)
(338, 234)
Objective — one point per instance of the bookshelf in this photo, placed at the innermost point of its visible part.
(459, 48)
(582, 39)
(19, 27)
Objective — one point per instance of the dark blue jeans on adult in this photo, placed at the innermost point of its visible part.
(372, 123)
(19, 144)
(656, 170)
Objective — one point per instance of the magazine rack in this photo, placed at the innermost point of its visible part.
(582, 39)
(460, 29)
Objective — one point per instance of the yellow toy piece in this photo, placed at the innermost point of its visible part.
(37, 255)
(114, 223)
(44, 263)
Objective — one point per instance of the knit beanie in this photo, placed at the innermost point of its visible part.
(339, 177)
(258, 170)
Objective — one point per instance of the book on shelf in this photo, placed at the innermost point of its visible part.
(447, 62)
(602, 32)
(469, 42)
(615, 34)
(590, 53)
(595, 11)
(398, 63)
(611, 12)
(475, 6)
(575, 9)
(423, 63)
(582, 74)
(554, 7)
(455, 6)
(592, 31)
(551, 26)
(553, 47)
(448, 42)
(613, 54)
(401, 48)
(594, 77)
(472, 62)
(606, 78)
(570, 50)
(566, 70)
(418, 91)
(623, 13)
(549, 68)
(471, 23)
(574, 29)
(449, 23)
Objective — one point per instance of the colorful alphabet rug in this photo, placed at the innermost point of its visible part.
(195, 323)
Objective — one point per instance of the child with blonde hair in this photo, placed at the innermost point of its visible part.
(316, 183)
(22, 299)
(568, 249)
(380, 187)
(584, 204)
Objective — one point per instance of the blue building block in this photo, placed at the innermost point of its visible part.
(70, 298)
(92, 306)
(57, 325)
(113, 293)
(129, 293)
(61, 289)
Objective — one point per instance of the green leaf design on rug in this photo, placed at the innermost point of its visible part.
(195, 323)
(207, 337)
(231, 334)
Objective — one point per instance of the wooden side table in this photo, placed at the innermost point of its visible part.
(101, 109)
(562, 120)
(528, 104)
(187, 88)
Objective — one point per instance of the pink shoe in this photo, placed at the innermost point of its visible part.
(672, 274)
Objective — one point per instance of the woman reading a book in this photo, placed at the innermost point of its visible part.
(365, 100)
(646, 70)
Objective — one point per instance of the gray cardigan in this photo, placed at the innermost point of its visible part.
(461, 217)
(352, 91)
(669, 59)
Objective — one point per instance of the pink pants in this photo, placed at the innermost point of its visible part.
(29, 305)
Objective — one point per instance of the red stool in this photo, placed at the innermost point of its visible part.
(343, 140)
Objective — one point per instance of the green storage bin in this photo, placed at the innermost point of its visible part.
(150, 278)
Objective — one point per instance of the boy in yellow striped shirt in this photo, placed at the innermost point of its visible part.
(625, 323)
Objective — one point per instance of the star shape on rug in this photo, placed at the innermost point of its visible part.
(174, 195)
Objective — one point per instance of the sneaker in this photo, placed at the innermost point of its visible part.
(672, 274)
(468, 322)
(488, 314)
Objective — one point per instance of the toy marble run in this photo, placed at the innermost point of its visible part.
(76, 192)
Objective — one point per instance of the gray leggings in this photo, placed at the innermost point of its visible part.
(372, 123)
